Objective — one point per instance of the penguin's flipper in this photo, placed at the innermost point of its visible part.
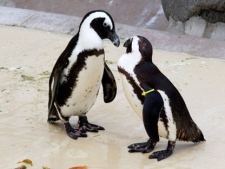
(152, 106)
(60, 64)
(53, 115)
(54, 84)
(53, 88)
(109, 85)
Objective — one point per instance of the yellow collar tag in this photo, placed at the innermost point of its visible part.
(149, 91)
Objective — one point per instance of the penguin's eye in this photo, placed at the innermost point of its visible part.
(105, 24)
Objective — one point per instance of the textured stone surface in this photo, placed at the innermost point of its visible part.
(211, 10)
(198, 27)
(160, 40)
(200, 18)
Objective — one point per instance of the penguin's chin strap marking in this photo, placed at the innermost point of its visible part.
(147, 92)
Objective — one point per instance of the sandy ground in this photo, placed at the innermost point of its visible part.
(26, 60)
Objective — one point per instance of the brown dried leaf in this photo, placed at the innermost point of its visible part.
(21, 167)
(96, 135)
(43, 167)
(27, 161)
(79, 167)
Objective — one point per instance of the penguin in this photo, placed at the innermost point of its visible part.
(155, 100)
(78, 73)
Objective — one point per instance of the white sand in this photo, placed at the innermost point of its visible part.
(26, 60)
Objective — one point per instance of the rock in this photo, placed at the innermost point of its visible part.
(201, 18)
(211, 10)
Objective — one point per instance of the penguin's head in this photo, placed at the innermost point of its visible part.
(139, 44)
(98, 25)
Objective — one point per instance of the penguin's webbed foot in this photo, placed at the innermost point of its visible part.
(160, 155)
(144, 147)
(85, 126)
(73, 133)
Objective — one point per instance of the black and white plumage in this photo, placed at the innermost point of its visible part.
(79, 71)
(162, 109)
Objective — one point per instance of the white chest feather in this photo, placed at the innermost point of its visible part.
(87, 86)
(128, 63)
(131, 96)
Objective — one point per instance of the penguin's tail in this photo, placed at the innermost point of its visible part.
(191, 133)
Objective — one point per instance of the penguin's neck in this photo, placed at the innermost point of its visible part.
(134, 58)
(89, 39)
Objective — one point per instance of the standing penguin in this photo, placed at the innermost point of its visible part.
(80, 69)
(155, 99)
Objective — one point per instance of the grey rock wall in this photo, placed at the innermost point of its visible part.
(201, 18)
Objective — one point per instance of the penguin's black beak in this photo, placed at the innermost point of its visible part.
(114, 38)
(127, 43)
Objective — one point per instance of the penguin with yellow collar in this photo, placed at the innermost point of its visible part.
(155, 100)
